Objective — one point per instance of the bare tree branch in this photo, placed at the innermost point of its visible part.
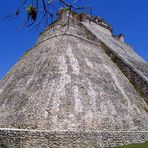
(42, 11)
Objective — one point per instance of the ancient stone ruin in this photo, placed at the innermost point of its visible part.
(79, 86)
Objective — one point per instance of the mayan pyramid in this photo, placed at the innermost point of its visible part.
(79, 86)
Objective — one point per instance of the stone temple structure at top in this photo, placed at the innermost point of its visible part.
(79, 86)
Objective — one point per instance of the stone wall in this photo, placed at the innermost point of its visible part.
(15, 138)
(131, 65)
(133, 75)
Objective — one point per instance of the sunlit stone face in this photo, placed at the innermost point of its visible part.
(70, 83)
(1, 91)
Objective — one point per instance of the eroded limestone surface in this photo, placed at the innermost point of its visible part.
(72, 82)
(133, 66)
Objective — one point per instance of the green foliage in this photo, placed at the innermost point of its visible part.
(143, 145)
(3, 146)
(67, 9)
(32, 12)
(29, 8)
(63, 24)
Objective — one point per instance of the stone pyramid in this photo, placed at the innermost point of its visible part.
(79, 86)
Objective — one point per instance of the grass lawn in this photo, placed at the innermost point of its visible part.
(2, 146)
(143, 145)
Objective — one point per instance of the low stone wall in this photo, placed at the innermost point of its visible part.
(17, 138)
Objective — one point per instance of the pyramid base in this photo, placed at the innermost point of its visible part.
(21, 138)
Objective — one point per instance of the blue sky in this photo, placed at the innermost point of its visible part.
(129, 17)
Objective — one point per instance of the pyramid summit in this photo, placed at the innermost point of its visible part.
(79, 86)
